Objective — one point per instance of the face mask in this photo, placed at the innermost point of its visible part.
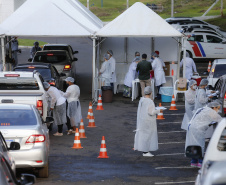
(194, 86)
(137, 57)
(152, 58)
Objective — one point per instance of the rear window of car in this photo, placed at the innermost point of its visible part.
(21, 83)
(222, 142)
(220, 70)
(55, 48)
(46, 73)
(17, 117)
(50, 58)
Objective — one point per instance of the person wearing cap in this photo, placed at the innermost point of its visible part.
(130, 75)
(159, 73)
(113, 63)
(58, 106)
(146, 137)
(144, 68)
(201, 98)
(189, 104)
(199, 125)
(163, 63)
(74, 108)
(15, 50)
(105, 71)
(189, 65)
(34, 49)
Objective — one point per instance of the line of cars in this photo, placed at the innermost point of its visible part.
(24, 110)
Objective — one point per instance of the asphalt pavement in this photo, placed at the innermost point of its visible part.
(116, 122)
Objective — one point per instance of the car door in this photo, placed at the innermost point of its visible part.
(58, 78)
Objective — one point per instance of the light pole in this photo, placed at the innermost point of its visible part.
(127, 6)
(172, 7)
(88, 4)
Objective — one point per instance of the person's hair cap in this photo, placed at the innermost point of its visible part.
(213, 104)
(46, 85)
(110, 51)
(147, 90)
(192, 82)
(107, 56)
(204, 82)
(154, 54)
(69, 79)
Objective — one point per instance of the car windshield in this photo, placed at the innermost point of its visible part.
(222, 142)
(21, 83)
(17, 117)
(46, 73)
(56, 48)
(50, 58)
(220, 70)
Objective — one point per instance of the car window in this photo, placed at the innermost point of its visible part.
(45, 72)
(197, 38)
(213, 39)
(17, 117)
(50, 58)
(222, 142)
(3, 144)
(56, 48)
(55, 71)
(220, 70)
(21, 83)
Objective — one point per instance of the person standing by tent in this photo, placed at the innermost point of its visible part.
(189, 104)
(163, 64)
(189, 67)
(159, 72)
(15, 49)
(144, 68)
(146, 137)
(74, 108)
(105, 71)
(58, 106)
(34, 49)
(130, 75)
(113, 63)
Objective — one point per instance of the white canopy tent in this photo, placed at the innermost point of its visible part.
(136, 22)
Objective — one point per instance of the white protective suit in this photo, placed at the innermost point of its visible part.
(201, 99)
(58, 104)
(146, 137)
(190, 67)
(130, 75)
(189, 107)
(74, 108)
(199, 125)
(159, 72)
(106, 72)
(113, 74)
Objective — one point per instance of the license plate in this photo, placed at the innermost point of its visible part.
(8, 141)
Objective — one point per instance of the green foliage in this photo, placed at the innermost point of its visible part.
(28, 42)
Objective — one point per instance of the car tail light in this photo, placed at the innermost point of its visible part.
(12, 75)
(31, 67)
(49, 54)
(39, 161)
(35, 139)
(40, 106)
(52, 83)
(67, 67)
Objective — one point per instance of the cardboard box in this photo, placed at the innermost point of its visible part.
(167, 69)
(182, 84)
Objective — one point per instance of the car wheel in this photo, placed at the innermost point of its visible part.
(44, 172)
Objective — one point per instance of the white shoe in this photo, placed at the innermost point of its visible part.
(148, 154)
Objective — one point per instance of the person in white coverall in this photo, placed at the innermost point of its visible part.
(189, 104)
(74, 108)
(190, 66)
(198, 127)
(146, 137)
(58, 106)
(105, 71)
(157, 66)
(130, 75)
(113, 65)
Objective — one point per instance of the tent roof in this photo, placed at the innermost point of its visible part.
(138, 21)
(65, 18)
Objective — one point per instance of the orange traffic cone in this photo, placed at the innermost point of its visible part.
(77, 143)
(91, 119)
(173, 104)
(103, 149)
(99, 104)
(82, 133)
(209, 66)
(90, 108)
(160, 115)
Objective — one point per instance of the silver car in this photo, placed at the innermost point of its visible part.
(23, 124)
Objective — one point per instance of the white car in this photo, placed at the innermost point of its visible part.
(205, 46)
(217, 70)
(215, 152)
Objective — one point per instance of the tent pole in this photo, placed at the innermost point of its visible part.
(94, 67)
(3, 54)
(184, 57)
(180, 44)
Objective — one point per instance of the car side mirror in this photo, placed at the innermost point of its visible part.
(62, 74)
(223, 42)
(14, 146)
(75, 59)
(27, 179)
(49, 120)
(193, 152)
(75, 52)
(29, 60)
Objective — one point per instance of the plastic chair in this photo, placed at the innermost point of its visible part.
(176, 91)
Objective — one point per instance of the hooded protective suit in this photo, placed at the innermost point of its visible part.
(146, 137)
(159, 72)
(200, 99)
(130, 75)
(113, 75)
(106, 72)
(190, 66)
(199, 125)
(74, 108)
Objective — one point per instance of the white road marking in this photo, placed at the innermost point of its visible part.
(170, 154)
(171, 131)
(181, 182)
(159, 168)
(171, 143)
